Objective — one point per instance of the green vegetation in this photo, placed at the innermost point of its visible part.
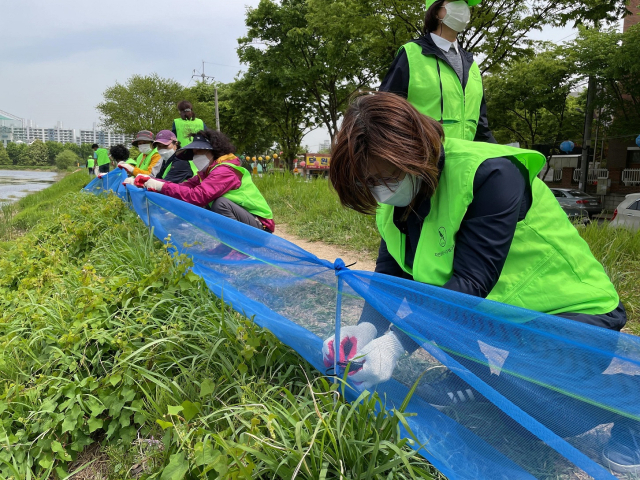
(311, 210)
(116, 360)
(66, 159)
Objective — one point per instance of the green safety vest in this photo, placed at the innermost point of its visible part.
(91, 162)
(131, 161)
(142, 162)
(549, 267)
(247, 195)
(435, 91)
(102, 155)
(194, 169)
(184, 128)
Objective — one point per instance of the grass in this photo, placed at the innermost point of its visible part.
(311, 210)
(117, 361)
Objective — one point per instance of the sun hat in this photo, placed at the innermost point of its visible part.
(165, 137)
(199, 142)
(143, 136)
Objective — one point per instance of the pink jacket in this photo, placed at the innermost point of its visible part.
(209, 184)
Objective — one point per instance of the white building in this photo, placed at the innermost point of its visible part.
(16, 129)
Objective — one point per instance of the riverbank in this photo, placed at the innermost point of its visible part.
(114, 358)
(36, 168)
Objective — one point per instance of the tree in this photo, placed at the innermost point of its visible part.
(66, 159)
(15, 151)
(532, 98)
(35, 154)
(53, 149)
(4, 156)
(142, 103)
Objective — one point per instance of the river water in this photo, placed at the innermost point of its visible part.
(15, 184)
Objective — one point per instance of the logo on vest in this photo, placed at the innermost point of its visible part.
(443, 236)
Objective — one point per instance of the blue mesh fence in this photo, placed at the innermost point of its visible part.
(502, 392)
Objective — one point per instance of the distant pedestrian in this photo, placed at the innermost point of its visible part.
(187, 125)
(101, 156)
(91, 163)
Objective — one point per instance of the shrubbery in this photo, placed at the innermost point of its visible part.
(66, 159)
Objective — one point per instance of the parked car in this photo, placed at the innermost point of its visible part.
(570, 197)
(628, 213)
(576, 215)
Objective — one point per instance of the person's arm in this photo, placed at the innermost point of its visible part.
(154, 161)
(397, 79)
(502, 197)
(173, 129)
(483, 133)
(203, 192)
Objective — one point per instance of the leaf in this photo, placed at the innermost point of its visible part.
(56, 447)
(174, 410)
(190, 410)
(164, 424)
(95, 424)
(177, 468)
(46, 461)
(242, 368)
(207, 388)
(115, 378)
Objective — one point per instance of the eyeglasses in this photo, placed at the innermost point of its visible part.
(377, 181)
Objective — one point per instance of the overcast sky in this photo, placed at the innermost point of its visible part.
(58, 56)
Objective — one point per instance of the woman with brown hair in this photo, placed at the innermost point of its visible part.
(474, 218)
(466, 216)
(438, 77)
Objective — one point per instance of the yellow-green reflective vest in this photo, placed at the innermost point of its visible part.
(91, 162)
(102, 156)
(435, 90)
(194, 169)
(549, 267)
(247, 195)
(185, 128)
(142, 162)
(131, 161)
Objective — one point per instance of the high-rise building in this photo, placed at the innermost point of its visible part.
(7, 123)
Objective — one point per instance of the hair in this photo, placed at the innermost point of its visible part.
(431, 20)
(220, 143)
(95, 145)
(382, 126)
(186, 104)
(119, 152)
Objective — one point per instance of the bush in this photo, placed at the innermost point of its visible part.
(66, 159)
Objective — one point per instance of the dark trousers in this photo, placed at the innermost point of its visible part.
(229, 209)
(103, 168)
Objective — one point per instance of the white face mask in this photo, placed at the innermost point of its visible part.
(144, 148)
(200, 161)
(398, 194)
(458, 15)
(165, 153)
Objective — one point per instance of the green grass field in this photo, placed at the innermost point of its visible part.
(312, 211)
(116, 360)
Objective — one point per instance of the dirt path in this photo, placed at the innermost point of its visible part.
(328, 252)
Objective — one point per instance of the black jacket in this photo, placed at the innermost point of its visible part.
(180, 170)
(397, 80)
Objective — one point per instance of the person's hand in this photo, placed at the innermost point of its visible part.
(126, 166)
(352, 340)
(128, 181)
(140, 180)
(153, 185)
(379, 359)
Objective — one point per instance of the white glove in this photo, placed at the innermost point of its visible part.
(153, 185)
(352, 339)
(379, 359)
(128, 181)
(126, 166)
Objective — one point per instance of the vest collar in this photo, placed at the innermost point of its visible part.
(429, 47)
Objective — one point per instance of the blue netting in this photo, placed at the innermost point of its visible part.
(549, 393)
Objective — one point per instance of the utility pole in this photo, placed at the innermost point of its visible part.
(586, 144)
(204, 77)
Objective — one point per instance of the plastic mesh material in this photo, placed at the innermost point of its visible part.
(524, 395)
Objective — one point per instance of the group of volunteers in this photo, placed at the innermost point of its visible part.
(454, 210)
(194, 164)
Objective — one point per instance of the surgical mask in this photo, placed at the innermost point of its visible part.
(144, 148)
(458, 15)
(166, 153)
(200, 161)
(398, 193)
